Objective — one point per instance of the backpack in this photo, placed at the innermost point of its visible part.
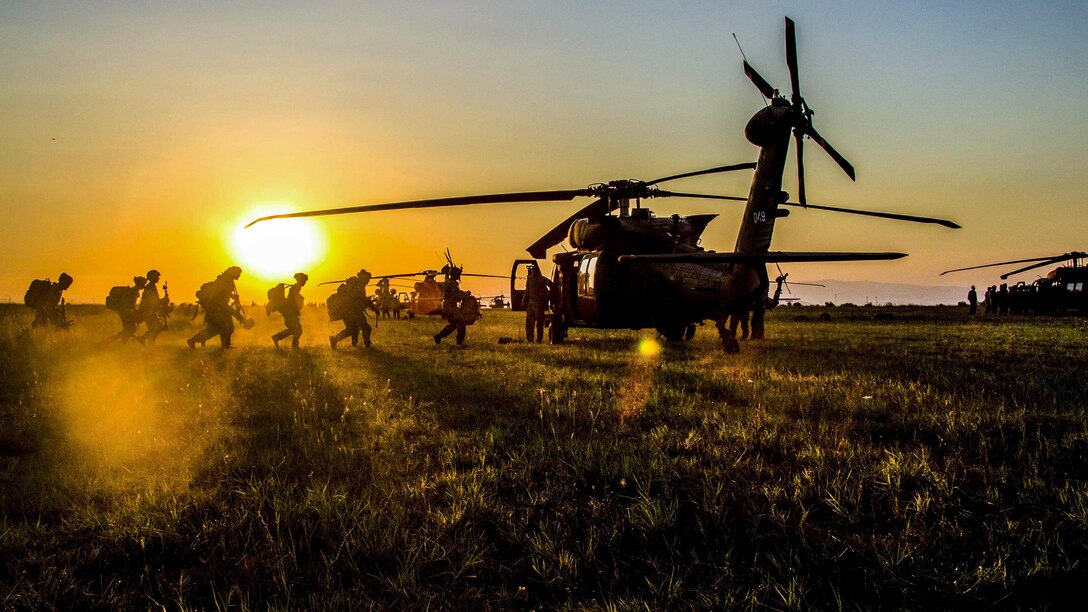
(206, 293)
(36, 292)
(470, 310)
(116, 297)
(338, 304)
(277, 299)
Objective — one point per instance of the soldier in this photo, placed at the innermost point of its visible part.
(150, 309)
(292, 312)
(352, 298)
(452, 296)
(221, 304)
(125, 305)
(763, 305)
(47, 301)
(972, 299)
(537, 290)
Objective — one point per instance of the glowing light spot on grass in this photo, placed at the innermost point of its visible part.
(649, 347)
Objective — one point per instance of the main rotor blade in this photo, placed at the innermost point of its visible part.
(807, 284)
(851, 211)
(538, 249)
(800, 138)
(495, 198)
(1008, 263)
(883, 215)
(839, 159)
(677, 194)
(761, 84)
(744, 166)
(784, 257)
(791, 59)
(1033, 266)
(485, 275)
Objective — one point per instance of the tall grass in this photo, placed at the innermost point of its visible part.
(927, 461)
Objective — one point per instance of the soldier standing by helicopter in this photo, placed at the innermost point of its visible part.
(972, 300)
(537, 290)
(291, 309)
(221, 304)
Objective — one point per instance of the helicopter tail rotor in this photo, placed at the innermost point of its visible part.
(799, 110)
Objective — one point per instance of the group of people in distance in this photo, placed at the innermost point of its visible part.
(142, 304)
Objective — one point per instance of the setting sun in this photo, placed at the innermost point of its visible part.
(276, 249)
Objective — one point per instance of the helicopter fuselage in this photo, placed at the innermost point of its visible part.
(594, 287)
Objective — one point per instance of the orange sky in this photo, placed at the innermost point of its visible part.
(136, 136)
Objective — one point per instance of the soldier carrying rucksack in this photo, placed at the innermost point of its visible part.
(122, 300)
(45, 298)
(219, 299)
(152, 308)
(290, 306)
(349, 304)
(459, 308)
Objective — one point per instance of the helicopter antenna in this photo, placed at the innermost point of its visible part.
(745, 58)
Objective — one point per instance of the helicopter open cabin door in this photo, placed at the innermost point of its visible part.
(587, 288)
(518, 273)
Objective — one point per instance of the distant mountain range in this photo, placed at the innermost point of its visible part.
(869, 292)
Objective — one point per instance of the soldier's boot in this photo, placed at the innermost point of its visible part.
(332, 342)
(437, 339)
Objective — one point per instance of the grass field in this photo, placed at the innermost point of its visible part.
(925, 462)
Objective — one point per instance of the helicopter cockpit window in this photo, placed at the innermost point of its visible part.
(585, 276)
(1074, 287)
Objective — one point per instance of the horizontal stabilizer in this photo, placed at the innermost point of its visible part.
(709, 257)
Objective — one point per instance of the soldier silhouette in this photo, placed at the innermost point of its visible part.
(537, 290)
(972, 299)
(221, 304)
(352, 303)
(47, 301)
(291, 310)
(452, 297)
(124, 302)
(150, 309)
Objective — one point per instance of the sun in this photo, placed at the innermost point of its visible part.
(274, 250)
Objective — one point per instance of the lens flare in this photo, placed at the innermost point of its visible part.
(649, 347)
(273, 250)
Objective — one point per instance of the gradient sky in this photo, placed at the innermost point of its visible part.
(140, 134)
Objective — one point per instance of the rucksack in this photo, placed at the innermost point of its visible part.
(206, 293)
(470, 310)
(338, 304)
(277, 299)
(116, 297)
(36, 292)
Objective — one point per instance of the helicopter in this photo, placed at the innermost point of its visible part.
(1062, 291)
(635, 270)
(426, 295)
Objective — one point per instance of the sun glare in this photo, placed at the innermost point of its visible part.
(274, 250)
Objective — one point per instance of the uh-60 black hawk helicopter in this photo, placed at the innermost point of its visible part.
(1064, 290)
(635, 270)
